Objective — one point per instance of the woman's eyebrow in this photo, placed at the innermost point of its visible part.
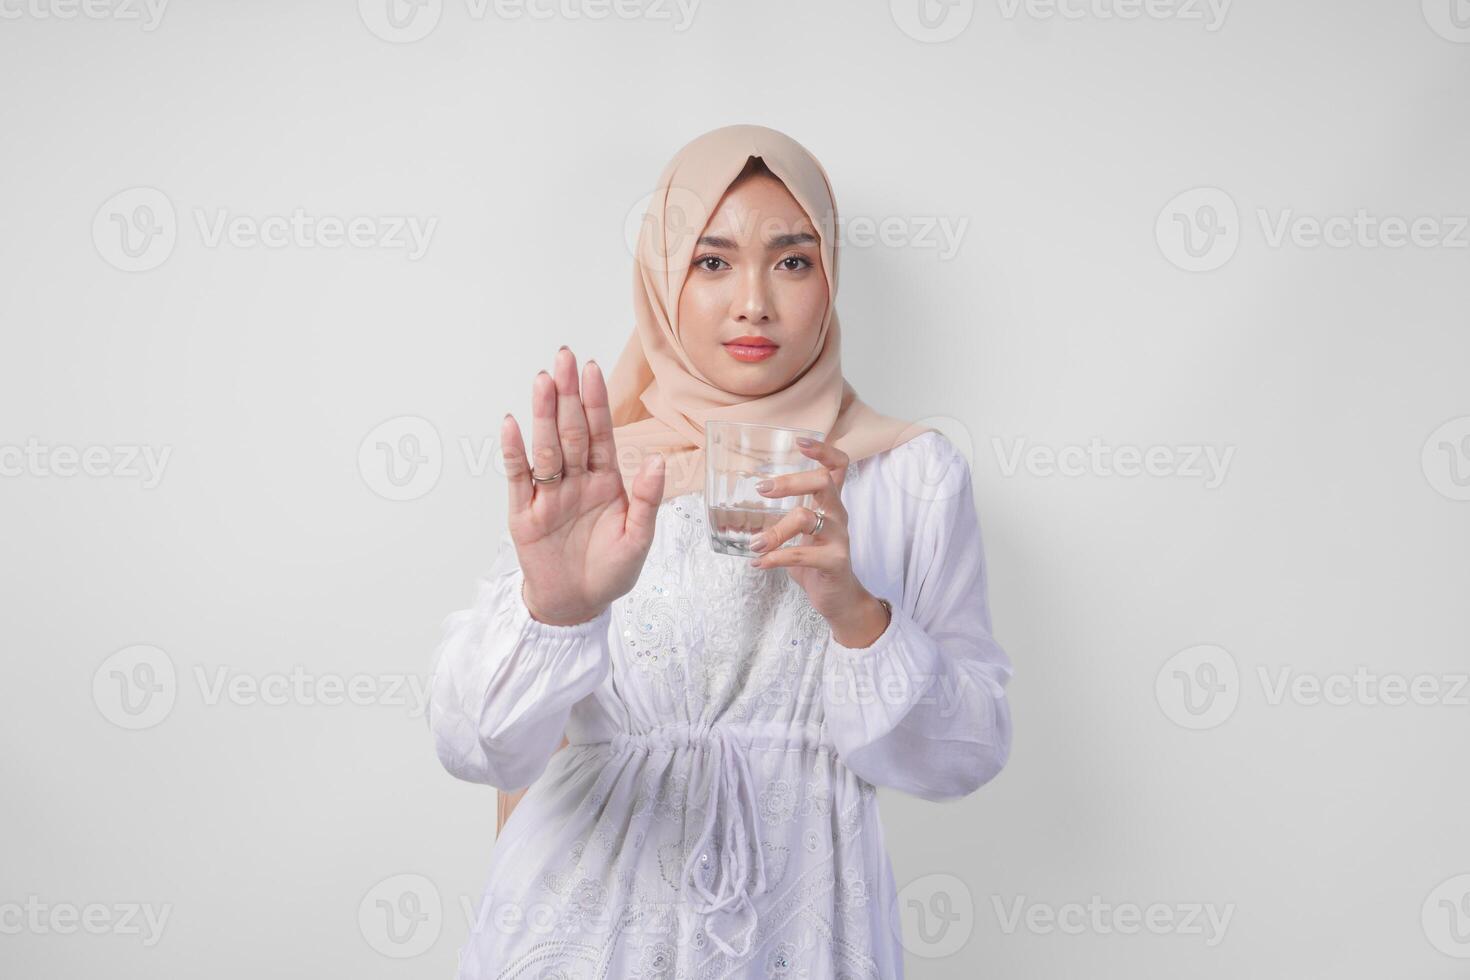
(779, 241)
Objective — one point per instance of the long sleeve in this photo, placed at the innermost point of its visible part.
(923, 709)
(503, 684)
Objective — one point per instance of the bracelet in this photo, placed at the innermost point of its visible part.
(888, 608)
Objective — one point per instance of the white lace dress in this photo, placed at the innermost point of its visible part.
(713, 814)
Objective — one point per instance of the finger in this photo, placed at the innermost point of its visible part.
(808, 556)
(602, 449)
(795, 484)
(797, 521)
(829, 456)
(801, 521)
(571, 421)
(648, 493)
(517, 468)
(545, 445)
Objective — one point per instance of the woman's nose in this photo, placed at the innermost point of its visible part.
(752, 299)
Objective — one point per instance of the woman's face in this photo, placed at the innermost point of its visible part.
(756, 276)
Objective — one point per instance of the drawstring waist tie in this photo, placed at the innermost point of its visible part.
(725, 868)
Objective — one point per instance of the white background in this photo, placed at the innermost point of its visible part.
(1060, 139)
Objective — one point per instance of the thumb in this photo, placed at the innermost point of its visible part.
(648, 493)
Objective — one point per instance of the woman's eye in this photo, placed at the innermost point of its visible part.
(802, 263)
(703, 263)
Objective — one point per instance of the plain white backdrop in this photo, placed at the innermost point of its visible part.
(1187, 280)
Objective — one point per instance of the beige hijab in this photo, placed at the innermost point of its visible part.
(660, 400)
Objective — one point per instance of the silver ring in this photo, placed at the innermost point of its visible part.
(548, 479)
(817, 527)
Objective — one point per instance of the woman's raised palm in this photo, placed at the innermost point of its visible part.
(581, 540)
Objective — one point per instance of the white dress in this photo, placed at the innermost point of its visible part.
(713, 814)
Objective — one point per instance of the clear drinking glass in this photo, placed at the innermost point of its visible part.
(737, 456)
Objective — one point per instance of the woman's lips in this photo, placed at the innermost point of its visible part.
(751, 352)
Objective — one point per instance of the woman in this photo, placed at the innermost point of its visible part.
(726, 721)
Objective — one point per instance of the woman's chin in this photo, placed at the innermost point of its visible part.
(752, 380)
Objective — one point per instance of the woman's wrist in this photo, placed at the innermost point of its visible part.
(562, 618)
(868, 621)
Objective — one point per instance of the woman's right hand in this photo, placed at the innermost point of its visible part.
(581, 541)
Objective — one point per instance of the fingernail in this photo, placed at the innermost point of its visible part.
(593, 361)
(758, 544)
(563, 347)
(756, 562)
(804, 441)
(764, 485)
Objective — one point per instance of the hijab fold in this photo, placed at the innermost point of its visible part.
(660, 401)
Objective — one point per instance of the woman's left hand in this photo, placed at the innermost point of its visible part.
(821, 564)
